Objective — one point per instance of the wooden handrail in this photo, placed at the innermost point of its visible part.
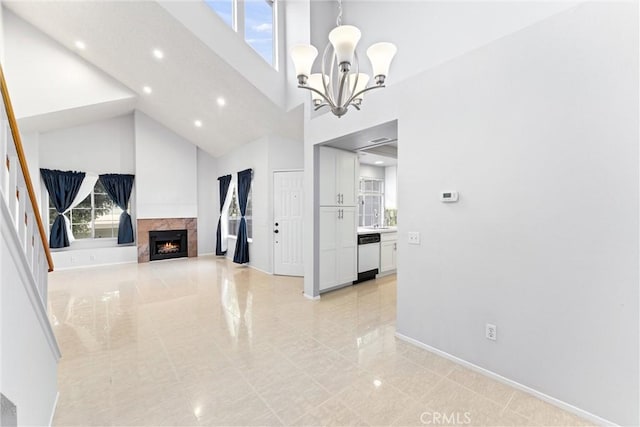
(13, 124)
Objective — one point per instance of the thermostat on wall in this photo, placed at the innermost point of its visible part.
(449, 196)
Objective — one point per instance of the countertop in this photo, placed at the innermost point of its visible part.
(370, 230)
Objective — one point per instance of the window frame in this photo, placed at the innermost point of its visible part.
(92, 222)
(363, 193)
(248, 217)
(238, 24)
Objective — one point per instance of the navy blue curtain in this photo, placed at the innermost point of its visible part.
(63, 187)
(118, 187)
(241, 256)
(225, 181)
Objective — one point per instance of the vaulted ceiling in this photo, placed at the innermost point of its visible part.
(120, 38)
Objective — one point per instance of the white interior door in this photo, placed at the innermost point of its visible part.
(287, 223)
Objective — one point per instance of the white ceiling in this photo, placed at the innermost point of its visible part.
(120, 37)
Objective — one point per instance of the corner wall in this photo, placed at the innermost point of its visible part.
(538, 131)
(208, 203)
(264, 156)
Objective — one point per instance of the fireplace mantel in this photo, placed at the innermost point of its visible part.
(158, 224)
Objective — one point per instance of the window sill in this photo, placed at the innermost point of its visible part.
(111, 242)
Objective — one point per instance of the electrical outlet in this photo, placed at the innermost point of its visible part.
(414, 237)
(92, 257)
(74, 259)
(491, 332)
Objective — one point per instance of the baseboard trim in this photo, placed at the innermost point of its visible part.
(544, 397)
(53, 410)
(317, 297)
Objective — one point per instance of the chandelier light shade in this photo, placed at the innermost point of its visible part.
(303, 57)
(344, 40)
(340, 84)
(381, 55)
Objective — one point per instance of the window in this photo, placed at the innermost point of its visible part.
(95, 217)
(234, 214)
(224, 9)
(258, 27)
(256, 18)
(371, 202)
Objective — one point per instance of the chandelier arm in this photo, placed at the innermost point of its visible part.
(343, 79)
(317, 107)
(328, 78)
(318, 92)
(355, 95)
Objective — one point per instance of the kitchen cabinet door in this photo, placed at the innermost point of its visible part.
(387, 256)
(346, 172)
(328, 177)
(347, 248)
(338, 246)
(338, 176)
(328, 247)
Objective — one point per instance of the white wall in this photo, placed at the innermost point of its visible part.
(431, 32)
(208, 203)
(543, 148)
(166, 172)
(369, 171)
(106, 146)
(31, 84)
(390, 187)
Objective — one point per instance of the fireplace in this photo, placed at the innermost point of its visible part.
(167, 244)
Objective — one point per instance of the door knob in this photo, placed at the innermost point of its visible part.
(276, 224)
(276, 231)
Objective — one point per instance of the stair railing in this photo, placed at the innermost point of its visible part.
(19, 197)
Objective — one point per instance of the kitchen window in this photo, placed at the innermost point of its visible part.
(371, 202)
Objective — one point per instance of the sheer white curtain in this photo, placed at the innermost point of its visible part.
(224, 217)
(86, 187)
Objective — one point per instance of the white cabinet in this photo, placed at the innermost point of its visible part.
(388, 251)
(338, 177)
(338, 246)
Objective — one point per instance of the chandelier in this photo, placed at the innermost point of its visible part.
(340, 83)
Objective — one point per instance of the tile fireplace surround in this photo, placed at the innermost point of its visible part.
(146, 225)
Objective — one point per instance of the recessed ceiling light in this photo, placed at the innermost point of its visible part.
(221, 101)
(147, 89)
(377, 383)
(379, 162)
(80, 45)
(158, 54)
(197, 123)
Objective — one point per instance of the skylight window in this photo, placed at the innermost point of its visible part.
(258, 27)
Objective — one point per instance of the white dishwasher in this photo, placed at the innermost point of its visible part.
(368, 256)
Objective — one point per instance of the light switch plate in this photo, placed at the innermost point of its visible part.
(414, 237)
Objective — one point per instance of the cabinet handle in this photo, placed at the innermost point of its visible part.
(395, 247)
(341, 199)
(338, 202)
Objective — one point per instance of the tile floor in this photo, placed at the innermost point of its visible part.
(205, 342)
